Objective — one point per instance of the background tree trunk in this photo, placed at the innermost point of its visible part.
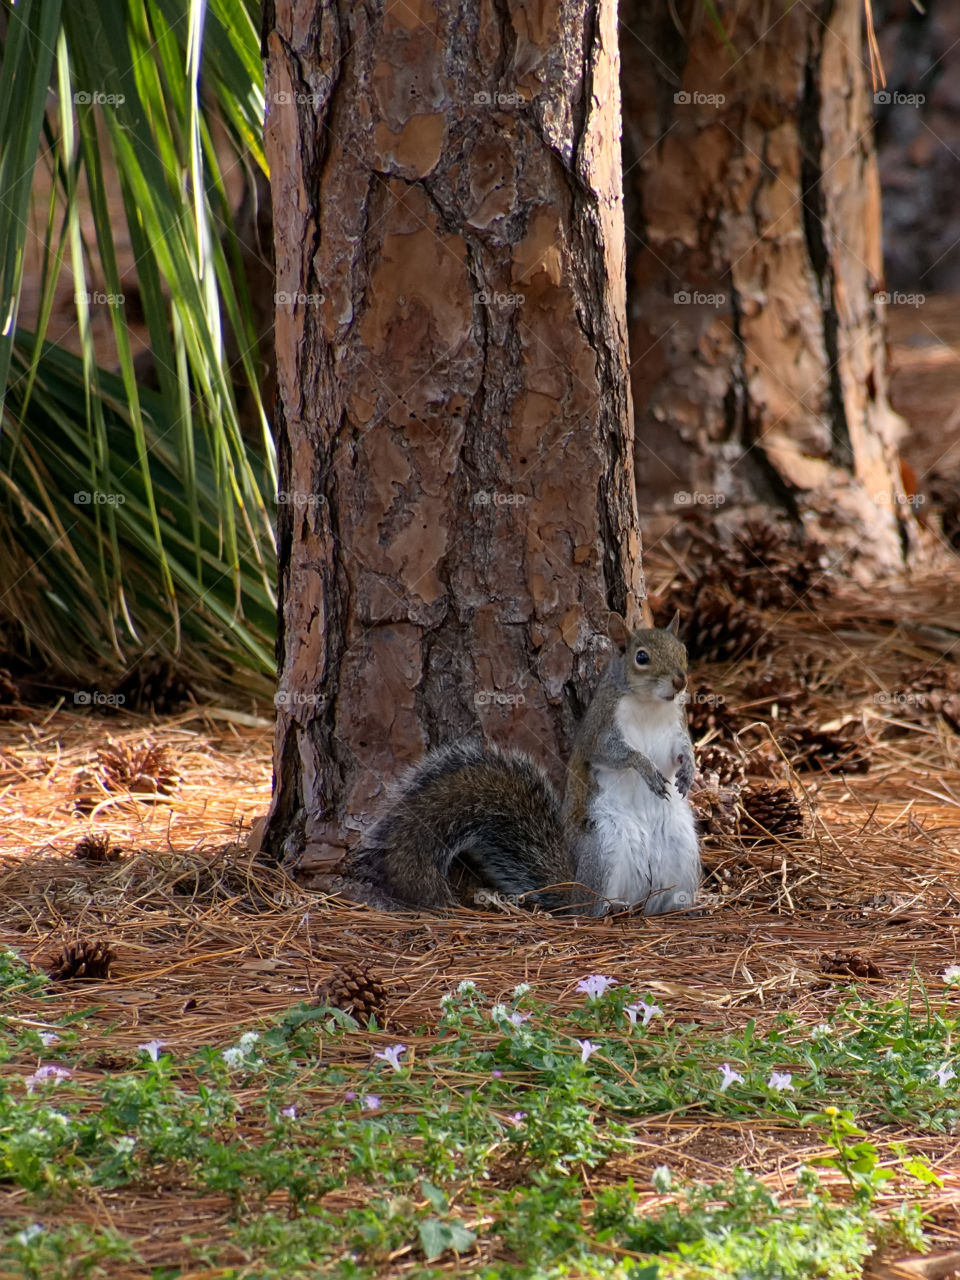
(453, 418)
(754, 264)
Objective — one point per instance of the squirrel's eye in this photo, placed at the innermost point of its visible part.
(641, 658)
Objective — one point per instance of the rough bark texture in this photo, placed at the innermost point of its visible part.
(754, 264)
(457, 493)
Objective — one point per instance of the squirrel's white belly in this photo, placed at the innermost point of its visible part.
(648, 843)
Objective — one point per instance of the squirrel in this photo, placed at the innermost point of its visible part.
(470, 822)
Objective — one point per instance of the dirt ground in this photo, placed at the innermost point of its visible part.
(205, 943)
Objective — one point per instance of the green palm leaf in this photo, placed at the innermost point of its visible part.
(175, 549)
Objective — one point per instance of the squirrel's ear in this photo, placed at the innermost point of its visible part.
(674, 624)
(617, 630)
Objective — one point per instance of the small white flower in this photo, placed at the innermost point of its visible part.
(586, 1048)
(248, 1040)
(49, 1038)
(729, 1076)
(944, 1073)
(662, 1178)
(500, 1013)
(467, 988)
(370, 1102)
(392, 1055)
(520, 989)
(56, 1074)
(821, 1031)
(152, 1047)
(289, 1112)
(951, 974)
(595, 985)
(446, 1001)
(649, 1011)
(29, 1233)
(233, 1056)
(124, 1144)
(780, 1080)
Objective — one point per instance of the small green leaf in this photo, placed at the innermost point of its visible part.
(434, 1195)
(436, 1237)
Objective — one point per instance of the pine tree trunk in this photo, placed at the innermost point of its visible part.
(457, 506)
(754, 265)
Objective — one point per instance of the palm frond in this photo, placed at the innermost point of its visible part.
(183, 551)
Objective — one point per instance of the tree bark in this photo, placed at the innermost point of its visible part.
(453, 416)
(755, 269)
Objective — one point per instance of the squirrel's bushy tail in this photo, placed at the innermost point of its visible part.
(464, 823)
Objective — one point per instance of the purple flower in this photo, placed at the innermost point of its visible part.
(649, 1011)
(350, 1095)
(517, 1117)
(780, 1080)
(49, 1038)
(289, 1112)
(56, 1074)
(497, 1075)
(152, 1047)
(392, 1055)
(595, 985)
(370, 1102)
(586, 1048)
(729, 1076)
(943, 1074)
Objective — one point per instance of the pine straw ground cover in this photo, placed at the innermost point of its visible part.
(220, 1119)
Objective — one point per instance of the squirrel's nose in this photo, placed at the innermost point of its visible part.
(679, 681)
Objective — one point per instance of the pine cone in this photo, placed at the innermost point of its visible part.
(154, 685)
(715, 808)
(763, 567)
(708, 711)
(820, 751)
(146, 770)
(855, 964)
(354, 989)
(95, 847)
(716, 762)
(770, 811)
(721, 629)
(82, 961)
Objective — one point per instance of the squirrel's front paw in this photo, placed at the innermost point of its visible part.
(684, 778)
(658, 784)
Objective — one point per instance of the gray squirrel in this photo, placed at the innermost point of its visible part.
(470, 822)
